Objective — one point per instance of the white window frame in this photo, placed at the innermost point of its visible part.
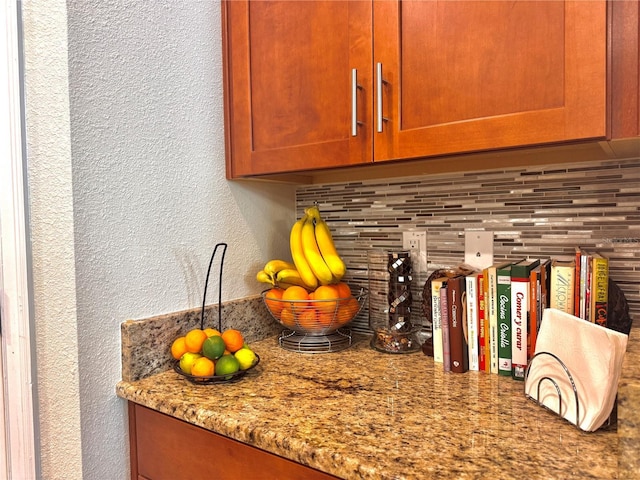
(17, 419)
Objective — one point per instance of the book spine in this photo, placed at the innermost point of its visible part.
(545, 280)
(491, 302)
(487, 326)
(535, 303)
(581, 282)
(600, 292)
(482, 331)
(444, 316)
(578, 292)
(583, 278)
(472, 321)
(503, 292)
(436, 320)
(562, 286)
(588, 288)
(519, 317)
(459, 348)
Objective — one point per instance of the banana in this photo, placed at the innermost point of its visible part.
(298, 256)
(313, 255)
(272, 267)
(328, 250)
(264, 277)
(288, 277)
(326, 245)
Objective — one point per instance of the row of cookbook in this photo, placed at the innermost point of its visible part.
(488, 320)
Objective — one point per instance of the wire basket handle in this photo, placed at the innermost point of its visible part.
(204, 296)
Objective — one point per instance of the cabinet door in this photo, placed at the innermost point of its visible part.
(165, 448)
(288, 83)
(476, 75)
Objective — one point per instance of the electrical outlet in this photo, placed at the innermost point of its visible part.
(478, 248)
(416, 243)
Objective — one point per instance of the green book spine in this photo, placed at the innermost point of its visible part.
(503, 307)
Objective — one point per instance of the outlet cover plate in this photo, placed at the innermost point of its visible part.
(478, 249)
(416, 243)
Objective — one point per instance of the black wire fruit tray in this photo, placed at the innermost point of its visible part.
(230, 377)
(203, 380)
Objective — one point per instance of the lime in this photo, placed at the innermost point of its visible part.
(227, 364)
(245, 357)
(187, 360)
(213, 347)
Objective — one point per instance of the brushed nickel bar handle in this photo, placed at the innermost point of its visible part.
(379, 82)
(354, 102)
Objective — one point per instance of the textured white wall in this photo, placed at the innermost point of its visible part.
(128, 198)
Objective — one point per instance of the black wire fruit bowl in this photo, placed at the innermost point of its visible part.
(203, 380)
(220, 378)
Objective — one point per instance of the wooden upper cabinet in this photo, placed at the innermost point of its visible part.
(624, 20)
(456, 77)
(288, 68)
(478, 75)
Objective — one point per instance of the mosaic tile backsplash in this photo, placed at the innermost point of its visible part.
(538, 212)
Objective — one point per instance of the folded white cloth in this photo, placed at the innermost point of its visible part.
(592, 355)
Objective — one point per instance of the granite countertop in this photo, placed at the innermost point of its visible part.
(360, 413)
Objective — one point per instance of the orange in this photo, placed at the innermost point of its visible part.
(327, 320)
(272, 299)
(325, 293)
(211, 332)
(194, 340)
(295, 292)
(298, 298)
(203, 367)
(307, 318)
(287, 318)
(344, 291)
(347, 310)
(233, 340)
(178, 348)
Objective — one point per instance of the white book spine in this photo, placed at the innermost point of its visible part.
(519, 319)
(436, 321)
(583, 286)
(472, 322)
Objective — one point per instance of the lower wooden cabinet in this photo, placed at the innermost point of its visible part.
(165, 448)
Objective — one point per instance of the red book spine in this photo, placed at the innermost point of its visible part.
(576, 293)
(482, 355)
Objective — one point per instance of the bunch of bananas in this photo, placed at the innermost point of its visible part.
(280, 273)
(315, 259)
